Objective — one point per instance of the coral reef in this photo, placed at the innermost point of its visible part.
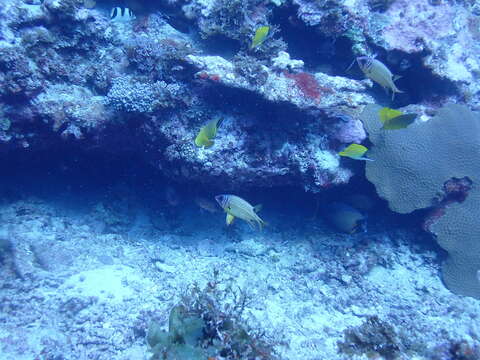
(85, 273)
(442, 36)
(127, 95)
(456, 350)
(375, 338)
(70, 74)
(209, 323)
(412, 167)
(309, 90)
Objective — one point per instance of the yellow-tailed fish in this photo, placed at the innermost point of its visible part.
(235, 207)
(260, 36)
(378, 72)
(345, 218)
(394, 120)
(207, 133)
(355, 151)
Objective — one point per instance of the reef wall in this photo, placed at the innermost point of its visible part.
(69, 74)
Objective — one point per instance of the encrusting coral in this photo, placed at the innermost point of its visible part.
(413, 166)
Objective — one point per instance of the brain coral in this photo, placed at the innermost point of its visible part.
(410, 169)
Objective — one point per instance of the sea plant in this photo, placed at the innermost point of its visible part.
(209, 322)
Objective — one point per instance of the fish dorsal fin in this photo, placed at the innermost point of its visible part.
(257, 208)
(350, 66)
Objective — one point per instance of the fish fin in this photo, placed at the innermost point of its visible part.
(395, 91)
(258, 208)
(396, 77)
(251, 224)
(229, 219)
(365, 158)
(348, 68)
(262, 224)
(208, 144)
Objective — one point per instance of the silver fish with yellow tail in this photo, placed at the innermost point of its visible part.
(378, 72)
(235, 207)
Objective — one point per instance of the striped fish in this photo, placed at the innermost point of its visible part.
(378, 72)
(121, 14)
(235, 206)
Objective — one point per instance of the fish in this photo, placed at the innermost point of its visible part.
(206, 204)
(378, 72)
(355, 151)
(89, 4)
(236, 207)
(260, 35)
(344, 218)
(394, 119)
(121, 14)
(207, 133)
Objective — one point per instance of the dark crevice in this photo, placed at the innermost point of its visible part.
(219, 45)
(333, 56)
(319, 53)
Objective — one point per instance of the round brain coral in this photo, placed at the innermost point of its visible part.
(410, 170)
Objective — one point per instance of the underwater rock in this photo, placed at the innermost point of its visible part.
(283, 62)
(443, 37)
(70, 110)
(209, 323)
(374, 338)
(448, 33)
(302, 89)
(413, 167)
